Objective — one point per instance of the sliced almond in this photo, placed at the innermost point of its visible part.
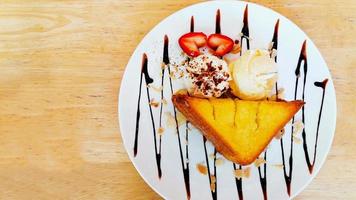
(219, 161)
(259, 161)
(278, 166)
(242, 173)
(160, 130)
(163, 65)
(170, 121)
(154, 103)
(236, 49)
(164, 101)
(202, 169)
(213, 182)
(298, 126)
(297, 140)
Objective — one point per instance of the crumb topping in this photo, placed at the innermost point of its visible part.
(209, 75)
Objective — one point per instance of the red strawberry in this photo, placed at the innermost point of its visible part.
(191, 42)
(220, 43)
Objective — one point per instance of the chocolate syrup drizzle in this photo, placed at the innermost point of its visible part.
(263, 179)
(302, 58)
(245, 35)
(185, 162)
(148, 80)
(213, 191)
(321, 85)
(245, 30)
(275, 46)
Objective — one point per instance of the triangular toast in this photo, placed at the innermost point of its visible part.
(240, 130)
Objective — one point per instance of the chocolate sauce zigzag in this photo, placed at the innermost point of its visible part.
(275, 46)
(310, 164)
(263, 179)
(148, 80)
(321, 85)
(184, 162)
(245, 35)
(213, 186)
(245, 30)
(302, 58)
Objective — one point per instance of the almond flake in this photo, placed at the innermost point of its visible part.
(236, 49)
(172, 75)
(298, 126)
(297, 140)
(213, 178)
(160, 130)
(242, 173)
(278, 166)
(212, 187)
(259, 161)
(170, 121)
(163, 65)
(154, 103)
(213, 182)
(219, 161)
(280, 95)
(202, 169)
(164, 101)
(157, 89)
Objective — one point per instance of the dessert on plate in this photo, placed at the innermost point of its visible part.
(230, 101)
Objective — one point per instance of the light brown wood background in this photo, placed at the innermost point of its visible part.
(61, 63)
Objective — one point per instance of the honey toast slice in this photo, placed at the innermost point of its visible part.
(240, 130)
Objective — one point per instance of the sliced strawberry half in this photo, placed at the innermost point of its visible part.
(191, 42)
(221, 44)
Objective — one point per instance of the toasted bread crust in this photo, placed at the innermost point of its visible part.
(182, 103)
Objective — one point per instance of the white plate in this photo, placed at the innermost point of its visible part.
(261, 23)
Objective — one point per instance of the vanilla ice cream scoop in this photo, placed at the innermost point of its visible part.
(254, 75)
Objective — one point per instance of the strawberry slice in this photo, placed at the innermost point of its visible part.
(221, 44)
(191, 42)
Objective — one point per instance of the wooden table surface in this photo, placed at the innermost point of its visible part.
(61, 63)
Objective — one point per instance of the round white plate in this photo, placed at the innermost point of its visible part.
(179, 175)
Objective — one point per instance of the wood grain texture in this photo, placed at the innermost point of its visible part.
(61, 63)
